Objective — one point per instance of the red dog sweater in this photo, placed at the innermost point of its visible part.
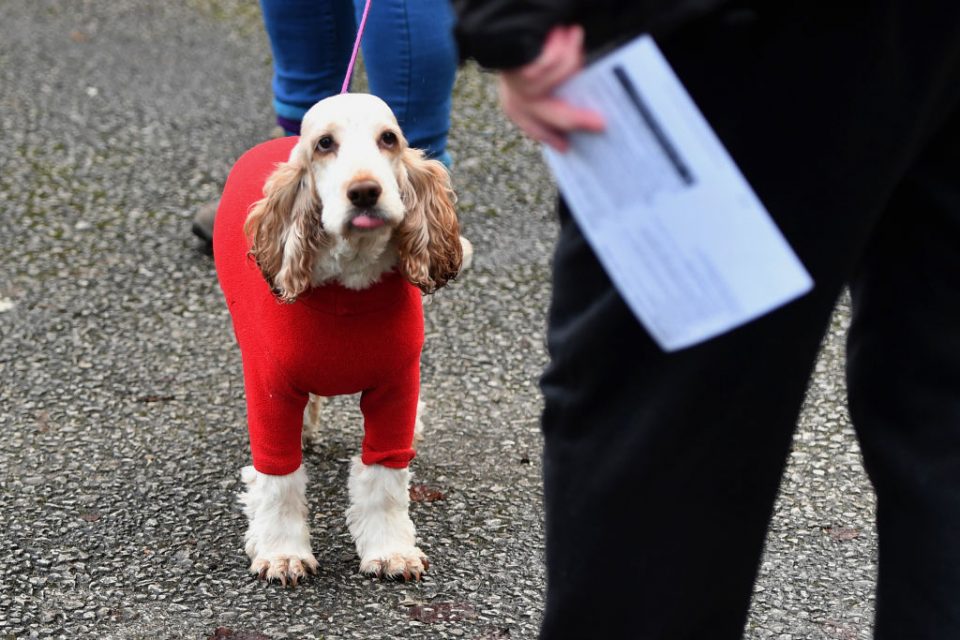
(331, 341)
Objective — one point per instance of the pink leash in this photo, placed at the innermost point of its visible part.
(356, 48)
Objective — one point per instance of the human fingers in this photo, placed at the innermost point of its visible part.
(537, 130)
(547, 120)
(563, 116)
(561, 58)
(517, 110)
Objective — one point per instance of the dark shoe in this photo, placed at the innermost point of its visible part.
(203, 225)
(203, 220)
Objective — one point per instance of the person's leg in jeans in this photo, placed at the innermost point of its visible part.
(311, 41)
(904, 387)
(411, 62)
(408, 52)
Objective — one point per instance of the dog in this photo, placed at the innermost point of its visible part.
(324, 245)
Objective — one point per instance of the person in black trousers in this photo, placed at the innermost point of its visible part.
(661, 469)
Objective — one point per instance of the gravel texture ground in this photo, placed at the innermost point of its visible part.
(121, 402)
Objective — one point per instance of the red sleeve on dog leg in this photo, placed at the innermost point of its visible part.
(274, 407)
(389, 417)
(274, 416)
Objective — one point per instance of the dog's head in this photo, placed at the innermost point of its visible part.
(352, 179)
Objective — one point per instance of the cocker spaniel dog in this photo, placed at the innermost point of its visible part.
(323, 245)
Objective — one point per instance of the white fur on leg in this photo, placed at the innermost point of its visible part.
(278, 537)
(379, 521)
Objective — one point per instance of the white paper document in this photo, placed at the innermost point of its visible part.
(682, 235)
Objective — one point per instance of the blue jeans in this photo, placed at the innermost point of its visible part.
(408, 50)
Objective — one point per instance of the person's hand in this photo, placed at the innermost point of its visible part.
(526, 93)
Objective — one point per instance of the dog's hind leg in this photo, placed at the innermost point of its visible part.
(418, 426)
(379, 521)
(311, 419)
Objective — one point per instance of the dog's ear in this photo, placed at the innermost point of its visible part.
(429, 236)
(285, 227)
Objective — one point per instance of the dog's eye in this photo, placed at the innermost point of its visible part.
(388, 138)
(325, 143)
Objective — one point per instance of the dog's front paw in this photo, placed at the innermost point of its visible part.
(277, 538)
(284, 568)
(380, 524)
(407, 564)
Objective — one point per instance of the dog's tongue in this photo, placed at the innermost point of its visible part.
(363, 221)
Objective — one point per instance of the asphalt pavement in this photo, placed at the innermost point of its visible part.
(121, 397)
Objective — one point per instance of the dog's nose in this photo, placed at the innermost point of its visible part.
(364, 193)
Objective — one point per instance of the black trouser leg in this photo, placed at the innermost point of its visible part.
(661, 469)
(904, 385)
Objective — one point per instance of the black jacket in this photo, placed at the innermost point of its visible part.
(502, 34)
